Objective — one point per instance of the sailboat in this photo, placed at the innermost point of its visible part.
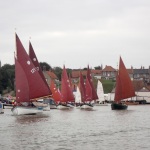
(29, 84)
(124, 88)
(90, 91)
(88, 97)
(66, 91)
(100, 93)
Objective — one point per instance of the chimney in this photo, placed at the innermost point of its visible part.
(101, 67)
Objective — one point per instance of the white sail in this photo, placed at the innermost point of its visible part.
(78, 96)
(100, 92)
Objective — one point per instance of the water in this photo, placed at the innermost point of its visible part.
(101, 129)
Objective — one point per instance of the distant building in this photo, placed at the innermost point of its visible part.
(49, 75)
(142, 91)
(142, 74)
(75, 74)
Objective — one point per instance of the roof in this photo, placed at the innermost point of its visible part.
(109, 68)
(76, 73)
(51, 74)
(140, 86)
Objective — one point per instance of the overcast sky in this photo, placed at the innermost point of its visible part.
(78, 32)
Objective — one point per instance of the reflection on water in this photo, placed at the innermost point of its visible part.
(28, 119)
(75, 129)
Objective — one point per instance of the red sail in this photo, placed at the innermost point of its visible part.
(118, 95)
(66, 89)
(94, 94)
(88, 90)
(35, 61)
(37, 87)
(22, 87)
(55, 93)
(124, 86)
(82, 87)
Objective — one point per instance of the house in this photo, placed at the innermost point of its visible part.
(108, 73)
(49, 75)
(142, 74)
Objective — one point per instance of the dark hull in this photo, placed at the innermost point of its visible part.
(115, 106)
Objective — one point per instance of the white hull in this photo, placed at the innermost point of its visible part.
(53, 106)
(85, 106)
(69, 105)
(19, 110)
(62, 107)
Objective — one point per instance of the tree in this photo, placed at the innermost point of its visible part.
(98, 68)
(46, 65)
(58, 72)
(7, 75)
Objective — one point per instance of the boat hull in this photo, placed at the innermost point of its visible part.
(86, 106)
(7, 106)
(63, 107)
(53, 106)
(19, 110)
(70, 105)
(120, 106)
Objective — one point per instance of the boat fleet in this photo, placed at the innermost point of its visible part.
(34, 95)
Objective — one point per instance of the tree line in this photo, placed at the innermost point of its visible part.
(7, 75)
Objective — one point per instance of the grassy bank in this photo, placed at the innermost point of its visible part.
(108, 85)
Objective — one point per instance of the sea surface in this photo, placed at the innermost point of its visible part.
(75, 129)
